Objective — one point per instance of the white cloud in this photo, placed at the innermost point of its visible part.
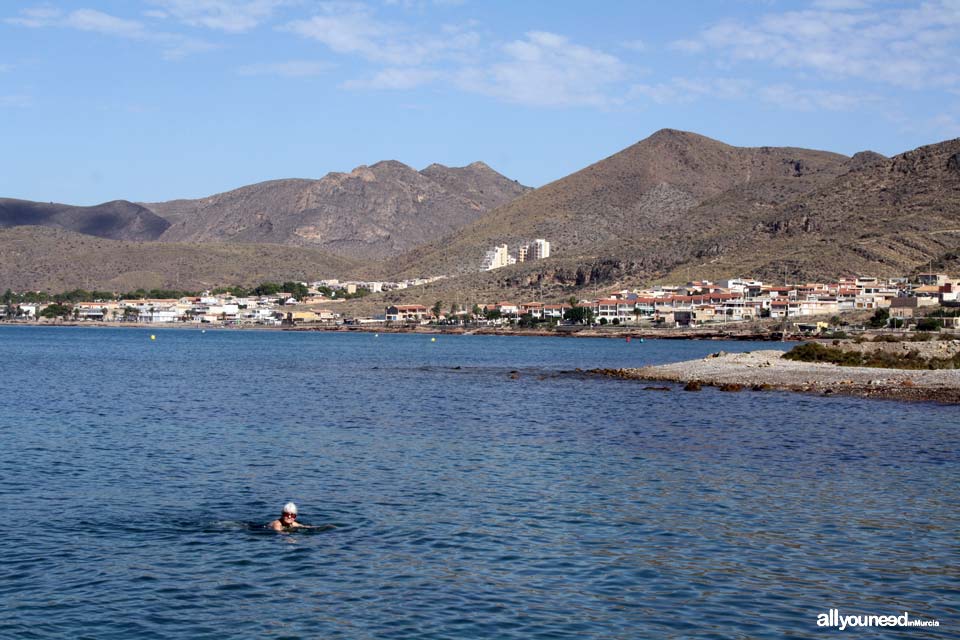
(99, 22)
(915, 47)
(424, 4)
(396, 78)
(789, 97)
(541, 69)
(835, 5)
(352, 29)
(16, 101)
(289, 69)
(946, 126)
(547, 69)
(173, 46)
(36, 17)
(635, 45)
(685, 90)
(81, 19)
(233, 16)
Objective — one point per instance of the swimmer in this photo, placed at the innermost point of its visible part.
(288, 519)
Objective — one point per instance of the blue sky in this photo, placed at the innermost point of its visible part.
(162, 99)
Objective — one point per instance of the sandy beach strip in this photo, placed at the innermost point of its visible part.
(767, 370)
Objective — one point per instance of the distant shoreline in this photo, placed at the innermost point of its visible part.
(614, 332)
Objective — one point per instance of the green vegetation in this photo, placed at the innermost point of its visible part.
(579, 315)
(56, 310)
(168, 294)
(929, 324)
(942, 312)
(879, 319)
(814, 352)
(235, 291)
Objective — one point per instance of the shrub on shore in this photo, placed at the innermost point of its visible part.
(813, 352)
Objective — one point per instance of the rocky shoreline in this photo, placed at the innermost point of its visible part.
(767, 370)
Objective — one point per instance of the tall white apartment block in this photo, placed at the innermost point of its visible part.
(495, 258)
(541, 249)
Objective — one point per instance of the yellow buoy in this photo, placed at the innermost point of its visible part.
(153, 337)
(433, 339)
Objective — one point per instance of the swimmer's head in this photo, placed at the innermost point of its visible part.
(290, 508)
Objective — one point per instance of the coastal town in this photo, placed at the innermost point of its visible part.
(808, 306)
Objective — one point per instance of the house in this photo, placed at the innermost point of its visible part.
(534, 309)
(909, 307)
(932, 279)
(555, 311)
(406, 313)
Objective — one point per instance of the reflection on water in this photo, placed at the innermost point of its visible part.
(138, 477)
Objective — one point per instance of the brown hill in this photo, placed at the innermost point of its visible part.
(370, 213)
(624, 205)
(117, 220)
(887, 216)
(42, 258)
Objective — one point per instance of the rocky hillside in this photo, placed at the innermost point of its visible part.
(678, 206)
(886, 216)
(627, 205)
(370, 213)
(117, 220)
(42, 258)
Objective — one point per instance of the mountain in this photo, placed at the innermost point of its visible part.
(370, 213)
(629, 205)
(886, 216)
(117, 220)
(673, 207)
(42, 258)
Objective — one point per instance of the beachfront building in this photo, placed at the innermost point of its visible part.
(533, 309)
(406, 313)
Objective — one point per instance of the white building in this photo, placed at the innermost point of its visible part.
(495, 258)
(540, 249)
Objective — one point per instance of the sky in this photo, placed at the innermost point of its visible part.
(151, 100)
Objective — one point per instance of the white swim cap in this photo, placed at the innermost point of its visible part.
(289, 508)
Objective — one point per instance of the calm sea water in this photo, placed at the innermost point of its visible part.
(136, 477)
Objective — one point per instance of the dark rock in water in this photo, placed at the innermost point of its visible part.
(693, 385)
(731, 386)
(656, 388)
(761, 387)
(514, 375)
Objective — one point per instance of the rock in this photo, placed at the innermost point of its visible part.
(693, 385)
(731, 386)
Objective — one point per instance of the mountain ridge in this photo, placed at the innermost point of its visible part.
(371, 212)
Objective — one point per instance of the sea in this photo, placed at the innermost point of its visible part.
(463, 486)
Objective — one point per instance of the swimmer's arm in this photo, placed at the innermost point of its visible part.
(276, 525)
